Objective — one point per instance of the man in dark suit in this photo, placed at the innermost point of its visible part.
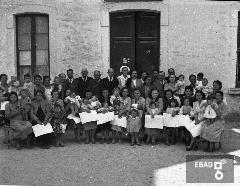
(110, 82)
(69, 83)
(133, 83)
(83, 83)
(95, 84)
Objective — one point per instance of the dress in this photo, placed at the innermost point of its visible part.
(213, 131)
(133, 124)
(140, 103)
(57, 120)
(20, 128)
(124, 107)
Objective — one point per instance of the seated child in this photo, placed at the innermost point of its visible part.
(24, 100)
(95, 104)
(75, 102)
(151, 132)
(133, 126)
(200, 76)
(14, 85)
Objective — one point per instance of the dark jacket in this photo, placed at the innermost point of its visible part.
(109, 85)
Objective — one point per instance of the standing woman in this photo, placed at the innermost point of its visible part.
(154, 97)
(124, 77)
(171, 83)
(20, 125)
(147, 86)
(41, 108)
(48, 87)
(213, 132)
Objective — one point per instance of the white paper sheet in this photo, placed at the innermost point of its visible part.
(88, 117)
(40, 130)
(76, 119)
(3, 104)
(155, 123)
(104, 118)
(121, 122)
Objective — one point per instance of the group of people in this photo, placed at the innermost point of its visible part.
(132, 96)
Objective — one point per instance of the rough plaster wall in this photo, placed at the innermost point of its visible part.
(200, 36)
(198, 41)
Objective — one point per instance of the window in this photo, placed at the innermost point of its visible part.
(238, 54)
(32, 44)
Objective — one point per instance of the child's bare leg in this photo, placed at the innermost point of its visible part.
(87, 133)
(92, 133)
(136, 138)
(57, 140)
(120, 137)
(132, 138)
(114, 135)
(61, 143)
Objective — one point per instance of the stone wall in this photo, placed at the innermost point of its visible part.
(196, 36)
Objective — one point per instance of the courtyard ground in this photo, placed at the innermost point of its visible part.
(108, 164)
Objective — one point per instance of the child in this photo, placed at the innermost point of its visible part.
(24, 100)
(89, 127)
(105, 127)
(122, 112)
(14, 85)
(199, 80)
(95, 104)
(74, 101)
(188, 93)
(206, 89)
(172, 109)
(180, 86)
(57, 118)
(186, 109)
(153, 111)
(28, 84)
(133, 126)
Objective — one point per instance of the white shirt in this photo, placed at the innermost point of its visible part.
(134, 82)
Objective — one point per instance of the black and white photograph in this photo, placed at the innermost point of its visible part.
(119, 92)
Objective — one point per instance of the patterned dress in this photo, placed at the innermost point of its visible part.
(57, 120)
(133, 124)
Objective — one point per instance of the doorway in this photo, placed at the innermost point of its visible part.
(135, 40)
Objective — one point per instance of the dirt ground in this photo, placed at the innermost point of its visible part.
(93, 164)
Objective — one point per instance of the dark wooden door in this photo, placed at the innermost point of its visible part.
(122, 39)
(147, 41)
(134, 37)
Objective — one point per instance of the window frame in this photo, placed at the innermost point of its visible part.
(33, 43)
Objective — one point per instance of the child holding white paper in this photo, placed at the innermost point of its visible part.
(153, 111)
(133, 126)
(186, 110)
(173, 110)
(89, 127)
(123, 109)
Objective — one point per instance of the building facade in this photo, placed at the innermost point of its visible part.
(49, 36)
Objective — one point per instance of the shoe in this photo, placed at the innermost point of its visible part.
(132, 144)
(61, 145)
(189, 148)
(139, 144)
(48, 146)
